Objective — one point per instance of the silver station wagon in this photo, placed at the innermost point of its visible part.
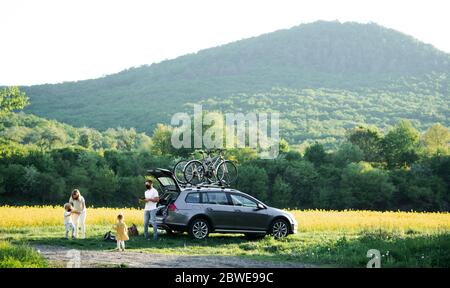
(201, 210)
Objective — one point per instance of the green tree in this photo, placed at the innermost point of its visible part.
(162, 144)
(13, 180)
(348, 153)
(143, 142)
(126, 138)
(109, 139)
(104, 186)
(241, 155)
(303, 178)
(293, 155)
(31, 177)
(418, 190)
(281, 193)
(85, 141)
(254, 181)
(369, 187)
(284, 146)
(400, 145)
(50, 189)
(78, 177)
(316, 154)
(437, 138)
(11, 98)
(130, 189)
(49, 136)
(368, 139)
(330, 195)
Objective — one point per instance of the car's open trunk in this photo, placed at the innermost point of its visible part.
(167, 186)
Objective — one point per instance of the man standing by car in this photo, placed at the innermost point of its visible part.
(151, 198)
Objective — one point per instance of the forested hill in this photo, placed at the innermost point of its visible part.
(341, 73)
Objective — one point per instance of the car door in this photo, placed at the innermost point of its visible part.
(219, 209)
(248, 216)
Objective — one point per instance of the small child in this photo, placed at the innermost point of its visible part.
(121, 232)
(68, 220)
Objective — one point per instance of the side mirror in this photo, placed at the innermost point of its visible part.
(259, 206)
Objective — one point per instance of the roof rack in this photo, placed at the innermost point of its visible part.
(205, 185)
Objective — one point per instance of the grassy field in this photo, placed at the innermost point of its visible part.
(325, 238)
(19, 256)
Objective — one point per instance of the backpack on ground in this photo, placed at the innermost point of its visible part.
(109, 237)
(133, 231)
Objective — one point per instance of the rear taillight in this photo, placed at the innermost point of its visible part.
(172, 207)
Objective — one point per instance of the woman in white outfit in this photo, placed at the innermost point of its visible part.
(79, 215)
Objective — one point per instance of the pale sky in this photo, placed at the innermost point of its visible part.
(51, 41)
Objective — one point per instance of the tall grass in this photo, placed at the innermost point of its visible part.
(19, 256)
(309, 220)
(37, 216)
(360, 220)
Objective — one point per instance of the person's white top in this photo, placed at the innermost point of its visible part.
(151, 193)
(77, 203)
(67, 217)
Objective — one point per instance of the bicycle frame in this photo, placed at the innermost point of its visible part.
(210, 164)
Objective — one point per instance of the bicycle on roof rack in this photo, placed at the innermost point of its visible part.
(213, 168)
(178, 169)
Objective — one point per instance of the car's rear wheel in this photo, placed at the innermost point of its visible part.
(279, 229)
(199, 229)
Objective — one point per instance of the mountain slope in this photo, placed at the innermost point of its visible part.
(349, 57)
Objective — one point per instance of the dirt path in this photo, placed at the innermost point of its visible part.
(61, 256)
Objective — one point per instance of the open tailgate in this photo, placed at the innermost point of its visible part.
(165, 178)
(169, 189)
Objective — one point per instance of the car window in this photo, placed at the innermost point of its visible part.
(193, 198)
(166, 181)
(163, 183)
(215, 198)
(239, 200)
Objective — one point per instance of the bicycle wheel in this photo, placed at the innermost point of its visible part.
(178, 171)
(194, 172)
(227, 172)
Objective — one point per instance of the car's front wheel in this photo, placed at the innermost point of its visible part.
(199, 229)
(279, 229)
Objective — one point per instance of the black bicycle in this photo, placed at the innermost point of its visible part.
(213, 168)
(178, 169)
